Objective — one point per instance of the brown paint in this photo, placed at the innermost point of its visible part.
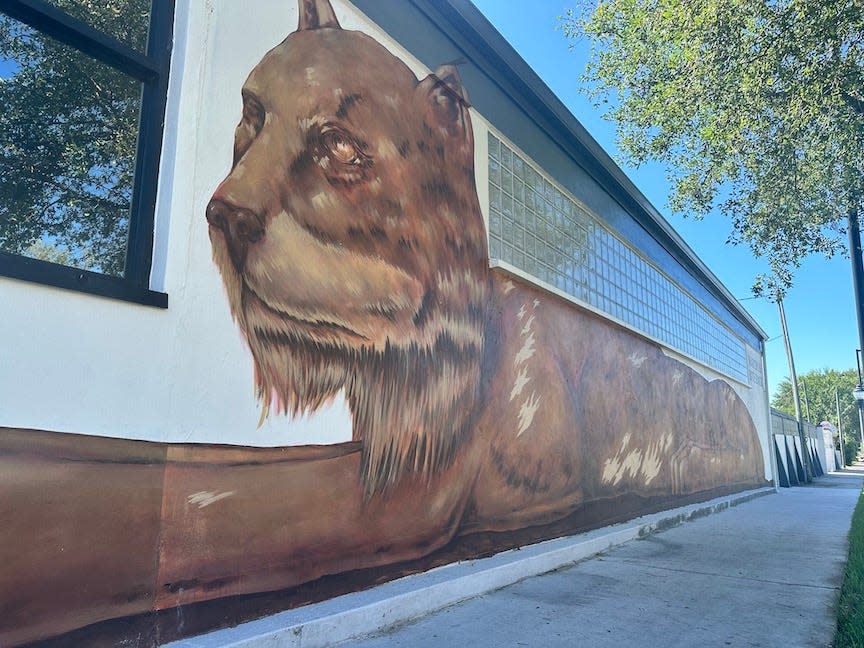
(79, 536)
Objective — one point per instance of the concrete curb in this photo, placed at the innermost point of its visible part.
(403, 600)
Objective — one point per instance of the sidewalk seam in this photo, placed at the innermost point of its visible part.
(636, 563)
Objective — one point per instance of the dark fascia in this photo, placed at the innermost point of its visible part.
(475, 34)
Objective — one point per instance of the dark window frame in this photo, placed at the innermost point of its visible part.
(152, 70)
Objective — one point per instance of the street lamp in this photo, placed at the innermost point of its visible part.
(858, 393)
(840, 429)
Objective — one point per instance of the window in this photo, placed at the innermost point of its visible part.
(573, 252)
(82, 102)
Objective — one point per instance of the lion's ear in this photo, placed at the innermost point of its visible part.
(316, 14)
(446, 101)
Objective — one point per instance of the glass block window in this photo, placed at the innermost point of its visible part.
(754, 366)
(538, 229)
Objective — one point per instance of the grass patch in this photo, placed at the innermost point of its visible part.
(850, 614)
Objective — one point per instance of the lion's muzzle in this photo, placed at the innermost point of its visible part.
(240, 227)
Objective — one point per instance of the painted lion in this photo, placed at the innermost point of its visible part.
(351, 243)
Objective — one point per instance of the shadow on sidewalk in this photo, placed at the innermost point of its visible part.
(849, 477)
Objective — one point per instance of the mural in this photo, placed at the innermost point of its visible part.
(351, 243)
(485, 414)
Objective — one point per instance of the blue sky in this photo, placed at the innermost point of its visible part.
(820, 307)
(8, 67)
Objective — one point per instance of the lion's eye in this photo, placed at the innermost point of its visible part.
(340, 147)
(250, 125)
(253, 112)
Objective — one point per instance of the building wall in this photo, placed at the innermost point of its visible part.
(476, 401)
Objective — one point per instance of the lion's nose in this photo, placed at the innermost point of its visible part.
(241, 228)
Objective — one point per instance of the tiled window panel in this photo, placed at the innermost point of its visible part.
(537, 228)
(754, 367)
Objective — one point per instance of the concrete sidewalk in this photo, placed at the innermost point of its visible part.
(764, 573)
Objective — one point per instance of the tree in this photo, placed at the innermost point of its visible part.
(821, 401)
(755, 106)
(68, 133)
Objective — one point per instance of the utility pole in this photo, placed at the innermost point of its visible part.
(840, 429)
(858, 395)
(805, 455)
(806, 401)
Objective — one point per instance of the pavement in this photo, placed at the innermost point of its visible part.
(765, 572)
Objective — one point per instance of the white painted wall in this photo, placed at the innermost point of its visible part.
(827, 441)
(77, 363)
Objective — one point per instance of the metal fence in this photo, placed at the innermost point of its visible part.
(782, 423)
(789, 451)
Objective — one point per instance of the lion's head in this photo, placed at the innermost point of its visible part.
(350, 241)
